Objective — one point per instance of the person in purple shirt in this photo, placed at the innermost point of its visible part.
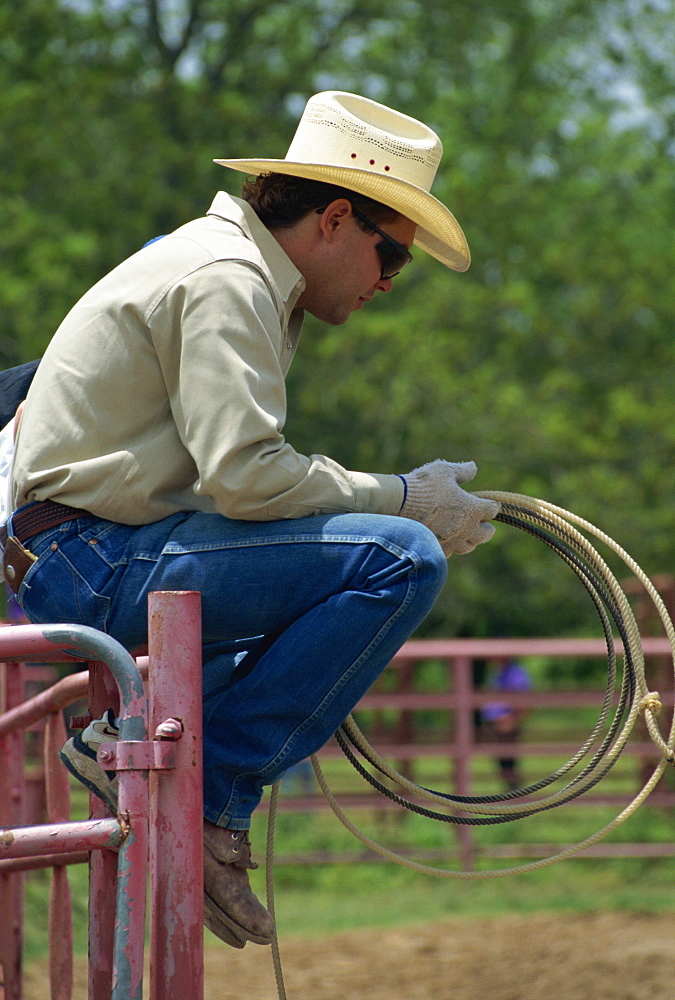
(504, 721)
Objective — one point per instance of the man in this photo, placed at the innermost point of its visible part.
(151, 456)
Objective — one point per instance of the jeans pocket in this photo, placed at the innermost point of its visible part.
(58, 590)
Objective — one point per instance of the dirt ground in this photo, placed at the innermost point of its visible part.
(544, 957)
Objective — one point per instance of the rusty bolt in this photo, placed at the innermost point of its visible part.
(170, 729)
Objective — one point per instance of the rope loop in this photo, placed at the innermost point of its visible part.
(559, 529)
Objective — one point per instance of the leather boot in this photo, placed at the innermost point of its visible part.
(231, 910)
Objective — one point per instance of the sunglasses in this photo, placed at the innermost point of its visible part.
(393, 255)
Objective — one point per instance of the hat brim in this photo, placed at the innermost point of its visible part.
(438, 232)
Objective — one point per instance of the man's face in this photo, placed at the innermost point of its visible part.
(353, 269)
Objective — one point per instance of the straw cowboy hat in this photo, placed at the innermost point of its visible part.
(363, 146)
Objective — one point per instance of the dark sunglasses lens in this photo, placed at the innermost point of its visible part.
(392, 258)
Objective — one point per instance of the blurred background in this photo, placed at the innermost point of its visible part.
(550, 363)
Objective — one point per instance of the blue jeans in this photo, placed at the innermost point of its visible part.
(299, 619)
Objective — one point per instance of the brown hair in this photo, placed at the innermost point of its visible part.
(281, 200)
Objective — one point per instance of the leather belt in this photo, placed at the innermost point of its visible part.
(39, 517)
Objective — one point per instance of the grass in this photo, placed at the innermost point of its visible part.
(324, 899)
(380, 895)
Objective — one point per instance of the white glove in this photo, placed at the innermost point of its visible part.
(457, 518)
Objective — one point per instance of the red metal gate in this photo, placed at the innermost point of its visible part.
(159, 762)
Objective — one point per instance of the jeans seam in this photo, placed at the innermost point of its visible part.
(384, 543)
(347, 675)
(277, 760)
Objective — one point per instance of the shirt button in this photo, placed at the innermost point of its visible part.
(289, 345)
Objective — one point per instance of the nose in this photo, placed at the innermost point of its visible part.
(384, 284)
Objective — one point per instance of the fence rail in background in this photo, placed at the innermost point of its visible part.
(406, 743)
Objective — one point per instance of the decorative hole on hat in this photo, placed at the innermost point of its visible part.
(422, 150)
(387, 168)
(372, 163)
(353, 156)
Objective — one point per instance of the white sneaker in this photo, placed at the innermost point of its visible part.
(79, 756)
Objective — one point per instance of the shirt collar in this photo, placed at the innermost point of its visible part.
(289, 280)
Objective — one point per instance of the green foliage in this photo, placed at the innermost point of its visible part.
(550, 362)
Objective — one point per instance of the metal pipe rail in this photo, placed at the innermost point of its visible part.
(458, 743)
(160, 804)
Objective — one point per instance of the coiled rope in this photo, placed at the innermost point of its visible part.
(559, 529)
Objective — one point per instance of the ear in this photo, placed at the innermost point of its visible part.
(332, 221)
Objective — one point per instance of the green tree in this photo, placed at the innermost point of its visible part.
(550, 362)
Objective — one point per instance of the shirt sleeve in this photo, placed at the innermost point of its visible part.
(219, 339)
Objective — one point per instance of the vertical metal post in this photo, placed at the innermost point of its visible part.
(12, 796)
(60, 903)
(131, 890)
(103, 694)
(464, 746)
(405, 731)
(176, 798)
(132, 860)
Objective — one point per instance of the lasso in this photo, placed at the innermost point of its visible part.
(558, 529)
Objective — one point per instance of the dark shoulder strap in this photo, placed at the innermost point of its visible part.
(14, 384)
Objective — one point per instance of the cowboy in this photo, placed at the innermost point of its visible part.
(151, 456)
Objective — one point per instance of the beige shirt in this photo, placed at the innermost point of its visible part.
(163, 389)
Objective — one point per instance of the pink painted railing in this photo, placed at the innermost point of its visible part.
(404, 743)
(160, 806)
